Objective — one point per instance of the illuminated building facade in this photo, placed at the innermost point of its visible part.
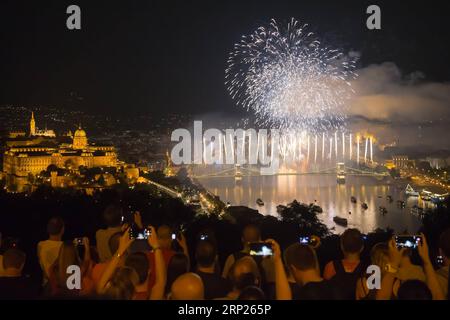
(29, 156)
(400, 161)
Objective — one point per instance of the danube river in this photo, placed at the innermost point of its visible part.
(324, 191)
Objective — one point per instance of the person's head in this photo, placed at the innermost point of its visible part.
(205, 254)
(113, 242)
(252, 293)
(414, 290)
(379, 255)
(55, 227)
(301, 260)
(178, 265)
(113, 216)
(67, 256)
(251, 233)
(188, 286)
(165, 236)
(13, 261)
(352, 242)
(245, 273)
(444, 246)
(122, 284)
(138, 262)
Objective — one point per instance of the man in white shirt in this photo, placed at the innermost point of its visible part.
(48, 250)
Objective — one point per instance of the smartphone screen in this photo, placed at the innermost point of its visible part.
(139, 234)
(407, 241)
(305, 240)
(261, 249)
(174, 236)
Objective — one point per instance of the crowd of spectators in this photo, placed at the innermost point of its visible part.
(159, 265)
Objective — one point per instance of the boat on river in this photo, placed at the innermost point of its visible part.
(340, 221)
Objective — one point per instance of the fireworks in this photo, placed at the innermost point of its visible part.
(289, 79)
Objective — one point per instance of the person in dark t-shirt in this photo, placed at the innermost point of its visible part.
(302, 262)
(13, 285)
(206, 256)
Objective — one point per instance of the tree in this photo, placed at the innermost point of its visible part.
(101, 180)
(52, 167)
(305, 217)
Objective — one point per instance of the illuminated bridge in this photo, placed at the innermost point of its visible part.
(241, 171)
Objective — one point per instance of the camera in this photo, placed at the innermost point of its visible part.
(78, 241)
(261, 249)
(408, 241)
(308, 240)
(138, 233)
(305, 240)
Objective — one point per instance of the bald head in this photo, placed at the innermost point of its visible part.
(188, 286)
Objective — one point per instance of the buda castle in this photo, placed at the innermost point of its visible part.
(29, 155)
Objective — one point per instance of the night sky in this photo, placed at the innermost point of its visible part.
(169, 56)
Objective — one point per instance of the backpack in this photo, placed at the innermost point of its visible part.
(345, 282)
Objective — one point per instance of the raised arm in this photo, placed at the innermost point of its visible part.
(87, 256)
(282, 288)
(160, 267)
(432, 281)
(183, 244)
(387, 282)
(227, 267)
(124, 243)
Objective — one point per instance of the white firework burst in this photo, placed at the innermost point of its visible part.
(289, 79)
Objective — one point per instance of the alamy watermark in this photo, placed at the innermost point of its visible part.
(214, 146)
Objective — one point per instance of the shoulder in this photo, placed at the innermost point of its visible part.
(230, 258)
(329, 271)
(42, 243)
(329, 266)
(100, 232)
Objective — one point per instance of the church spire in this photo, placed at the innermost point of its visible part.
(32, 125)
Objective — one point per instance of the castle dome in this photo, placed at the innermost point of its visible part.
(80, 133)
(80, 139)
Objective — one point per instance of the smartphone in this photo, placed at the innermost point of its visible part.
(174, 236)
(139, 234)
(10, 243)
(203, 237)
(261, 249)
(308, 240)
(305, 240)
(78, 241)
(407, 241)
(440, 260)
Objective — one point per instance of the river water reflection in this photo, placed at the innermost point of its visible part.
(332, 197)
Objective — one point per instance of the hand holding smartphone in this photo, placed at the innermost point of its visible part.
(78, 241)
(138, 233)
(407, 241)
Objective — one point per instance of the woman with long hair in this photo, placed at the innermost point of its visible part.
(66, 266)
